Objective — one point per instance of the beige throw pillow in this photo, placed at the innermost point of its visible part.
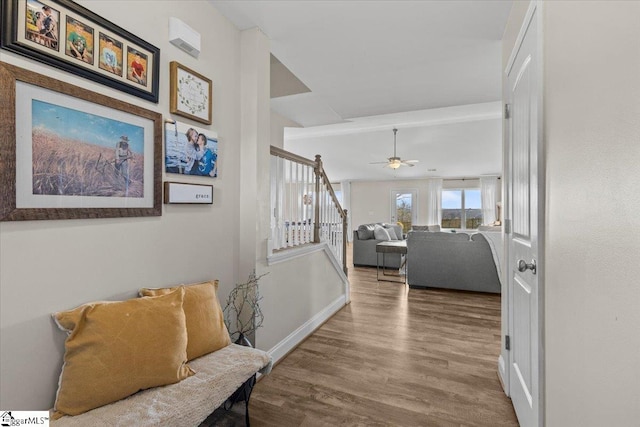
(381, 233)
(206, 330)
(115, 349)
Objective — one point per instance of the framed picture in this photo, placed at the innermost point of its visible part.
(70, 37)
(69, 153)
(190, 151)
(190, 94)
(187, 194)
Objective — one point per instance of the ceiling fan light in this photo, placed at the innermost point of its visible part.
(394, 164)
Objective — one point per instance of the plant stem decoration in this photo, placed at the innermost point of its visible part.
(243, 308)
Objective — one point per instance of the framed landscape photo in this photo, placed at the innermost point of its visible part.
(65, 35)
(69, 153)
(190, 93)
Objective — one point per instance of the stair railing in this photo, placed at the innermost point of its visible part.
(304, 207)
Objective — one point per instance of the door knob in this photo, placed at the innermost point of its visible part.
(523, 266)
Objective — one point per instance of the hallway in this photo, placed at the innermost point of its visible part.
(393, 357)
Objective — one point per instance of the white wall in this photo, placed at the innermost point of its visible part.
(592, 129)
(278, 123)
(47, 266)
(297, 290)
(294, 292)
(371, 200)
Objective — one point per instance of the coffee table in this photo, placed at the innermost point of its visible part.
(390, 247)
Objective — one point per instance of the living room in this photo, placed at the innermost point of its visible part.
(589, 314)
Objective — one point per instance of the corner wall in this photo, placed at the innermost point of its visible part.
(298, 293)
(48, 266)
(592, 129)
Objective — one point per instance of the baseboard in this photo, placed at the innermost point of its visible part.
(285, 346)
(502, 374)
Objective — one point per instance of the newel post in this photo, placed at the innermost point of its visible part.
(316, 226)
(345, 237)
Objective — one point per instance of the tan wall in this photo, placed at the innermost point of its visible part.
(46, 266)
(592, 129)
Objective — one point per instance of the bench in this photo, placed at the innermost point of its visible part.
(187, 403)
(165, 359)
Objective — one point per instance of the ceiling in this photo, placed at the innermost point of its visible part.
(430, 68)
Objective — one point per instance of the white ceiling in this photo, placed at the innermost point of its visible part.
(381, 58)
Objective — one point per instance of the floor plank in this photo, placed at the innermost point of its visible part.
(393, 357)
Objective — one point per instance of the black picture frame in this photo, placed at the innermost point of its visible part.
(13, 38)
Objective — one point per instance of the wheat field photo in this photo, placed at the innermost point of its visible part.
(79, 154)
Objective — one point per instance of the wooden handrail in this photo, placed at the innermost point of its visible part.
(279, 152)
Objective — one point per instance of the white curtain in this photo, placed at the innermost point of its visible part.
(489, 192)
(345, 187)
(434, 201)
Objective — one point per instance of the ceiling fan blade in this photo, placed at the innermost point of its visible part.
(411, 161)
(378, 163)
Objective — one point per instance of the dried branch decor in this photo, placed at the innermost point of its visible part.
(243, 308)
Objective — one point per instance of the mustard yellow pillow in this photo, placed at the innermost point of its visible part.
(115, 349)
(206, 330)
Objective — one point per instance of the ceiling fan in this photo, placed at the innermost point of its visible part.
(395, 162)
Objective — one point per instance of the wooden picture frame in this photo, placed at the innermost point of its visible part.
(81, 42)
(190, 93)
(181, 193)
(69, 153)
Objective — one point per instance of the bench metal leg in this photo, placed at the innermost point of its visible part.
(242, 394)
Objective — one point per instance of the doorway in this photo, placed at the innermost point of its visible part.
(404, 208)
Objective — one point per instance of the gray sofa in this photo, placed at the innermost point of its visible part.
(364, 247)
(451, 260)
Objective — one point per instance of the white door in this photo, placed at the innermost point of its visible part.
(404, 208)
(524, 234)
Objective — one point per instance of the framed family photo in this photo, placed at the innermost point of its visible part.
(190, 151)
(65, 35)
(69, 153)
(190, 93)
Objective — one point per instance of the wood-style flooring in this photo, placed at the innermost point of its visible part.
(393, 357)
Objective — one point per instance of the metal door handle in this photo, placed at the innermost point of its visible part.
(523, 266)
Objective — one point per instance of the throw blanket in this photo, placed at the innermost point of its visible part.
(188, 402)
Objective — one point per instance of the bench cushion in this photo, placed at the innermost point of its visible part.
(187, 403)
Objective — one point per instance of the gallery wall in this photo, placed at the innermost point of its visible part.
(47, 266)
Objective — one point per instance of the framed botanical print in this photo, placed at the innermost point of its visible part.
(190, 94)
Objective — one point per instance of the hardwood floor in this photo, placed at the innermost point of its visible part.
(393, 357)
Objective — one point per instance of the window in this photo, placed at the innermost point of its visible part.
(461, 208)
